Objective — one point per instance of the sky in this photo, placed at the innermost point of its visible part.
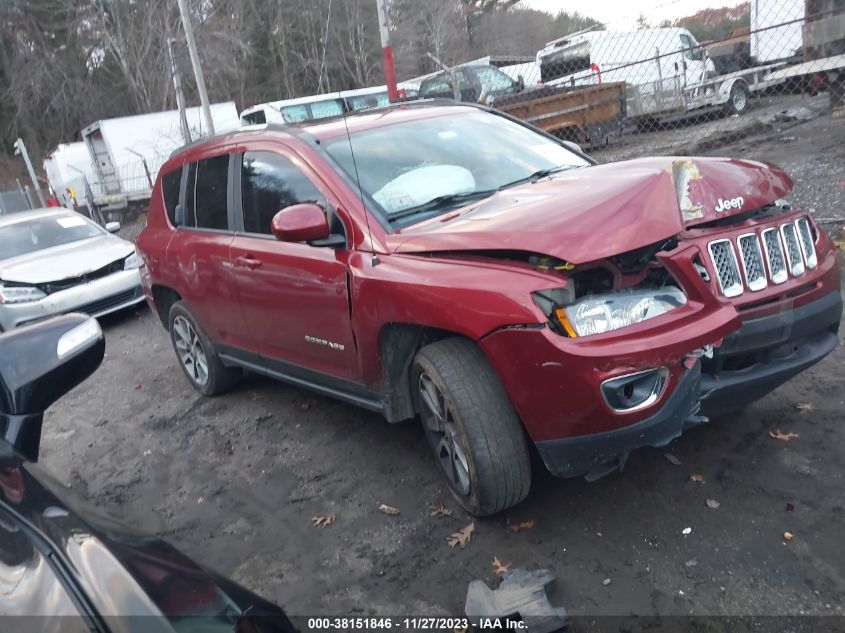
(621, 15)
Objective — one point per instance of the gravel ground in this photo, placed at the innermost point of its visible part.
(235, 481)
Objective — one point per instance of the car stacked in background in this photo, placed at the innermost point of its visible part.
(54, 261)
(456, 264)
(65, 568)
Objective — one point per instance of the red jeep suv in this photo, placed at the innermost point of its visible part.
(452, 263)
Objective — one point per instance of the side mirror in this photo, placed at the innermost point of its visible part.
(38, 365)
(112, 227)
(573, 146)
(304, 222)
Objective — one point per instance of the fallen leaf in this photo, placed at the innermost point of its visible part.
(462, 536)
(712, 504)
(498, 566)
(200, 499)
(790, 507)
(805, 407)
(788, 536)
(304, 405)
(322, 520)
(697, 477)
(258, 396)
(780, 435)
(440, 511)
(386, 509)
(840, 244)
(525, 525)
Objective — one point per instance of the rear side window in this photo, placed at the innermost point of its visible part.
(209, 199)
(269, 183)
(170, 186)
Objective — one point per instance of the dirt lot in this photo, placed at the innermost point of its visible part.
(235, 481)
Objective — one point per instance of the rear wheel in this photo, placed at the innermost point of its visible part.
(197, 356)
(738, 98)
(471, 426)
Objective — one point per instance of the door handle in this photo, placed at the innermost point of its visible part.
(248, 261)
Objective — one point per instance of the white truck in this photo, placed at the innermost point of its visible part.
(66, 167)
(667, 72)
(127, 152)
(775, 30)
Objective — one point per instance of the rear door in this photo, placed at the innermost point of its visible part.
(102, 159)
(198, 252)
(293, 297)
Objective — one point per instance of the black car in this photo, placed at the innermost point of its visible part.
(62, 567)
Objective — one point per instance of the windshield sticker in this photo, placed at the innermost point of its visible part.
(686, 175)
(67, 223)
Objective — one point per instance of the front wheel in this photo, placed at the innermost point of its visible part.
(471, 426)
(738, 98)
(197, 356)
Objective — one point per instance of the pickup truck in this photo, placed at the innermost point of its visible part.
(452, 263)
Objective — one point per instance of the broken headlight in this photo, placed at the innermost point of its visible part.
(600, 313)
(20, 294)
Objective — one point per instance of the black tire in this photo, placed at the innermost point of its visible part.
(484, 426)
(739, 99)
(216, 378)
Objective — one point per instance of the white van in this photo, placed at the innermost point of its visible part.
(666, 70)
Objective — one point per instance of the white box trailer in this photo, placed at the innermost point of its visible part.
(66, 167)
(127, 152)
(776, 30)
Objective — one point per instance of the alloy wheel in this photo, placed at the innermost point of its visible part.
(740, 100)
(190, 351)
(443, 434)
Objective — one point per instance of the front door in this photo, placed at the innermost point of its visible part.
(293, 296)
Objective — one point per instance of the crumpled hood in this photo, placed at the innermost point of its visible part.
(595, 212)
(65, 261)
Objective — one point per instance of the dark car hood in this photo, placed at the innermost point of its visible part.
(120, 571)
(595, 212)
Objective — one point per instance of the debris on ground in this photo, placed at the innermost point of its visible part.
(605, 582)
(790, 507)
(697, 477)
(783, 437)
(440, 511)
(322, 520)
(691, 563)
(499, 567)
(788, 536)
(519, 527)
(805, 407)
(462, 536)
(799, 113)
(521, 593)
(390, 510)
(686, 531)
(712, 504)
(672, 459)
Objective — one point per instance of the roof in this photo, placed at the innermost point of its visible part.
(33, 214)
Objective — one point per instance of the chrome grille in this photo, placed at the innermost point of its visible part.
(793, 252)
(752, 262)
(774, 256)
(807, 246)
(725, 265)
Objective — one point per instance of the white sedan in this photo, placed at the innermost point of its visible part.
(54, 261)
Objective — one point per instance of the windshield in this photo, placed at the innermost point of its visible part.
(452, 158)
(25, 237)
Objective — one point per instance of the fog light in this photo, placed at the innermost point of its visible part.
(635, 391)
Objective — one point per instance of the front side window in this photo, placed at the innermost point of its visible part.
(209, 199)
(494, 80)
(417, 168)
(691, 49)
(269, 183)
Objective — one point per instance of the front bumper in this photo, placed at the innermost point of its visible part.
(97, 298)
(763, 354)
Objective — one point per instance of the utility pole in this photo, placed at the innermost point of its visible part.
(20, 148)
(195, 62)
(180, 95)
(387, 51)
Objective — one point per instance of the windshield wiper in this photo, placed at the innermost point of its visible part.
(540, 173)
(439, 201)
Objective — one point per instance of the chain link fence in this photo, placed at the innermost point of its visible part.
(661, 90)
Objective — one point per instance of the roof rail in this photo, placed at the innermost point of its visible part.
(594, 27)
